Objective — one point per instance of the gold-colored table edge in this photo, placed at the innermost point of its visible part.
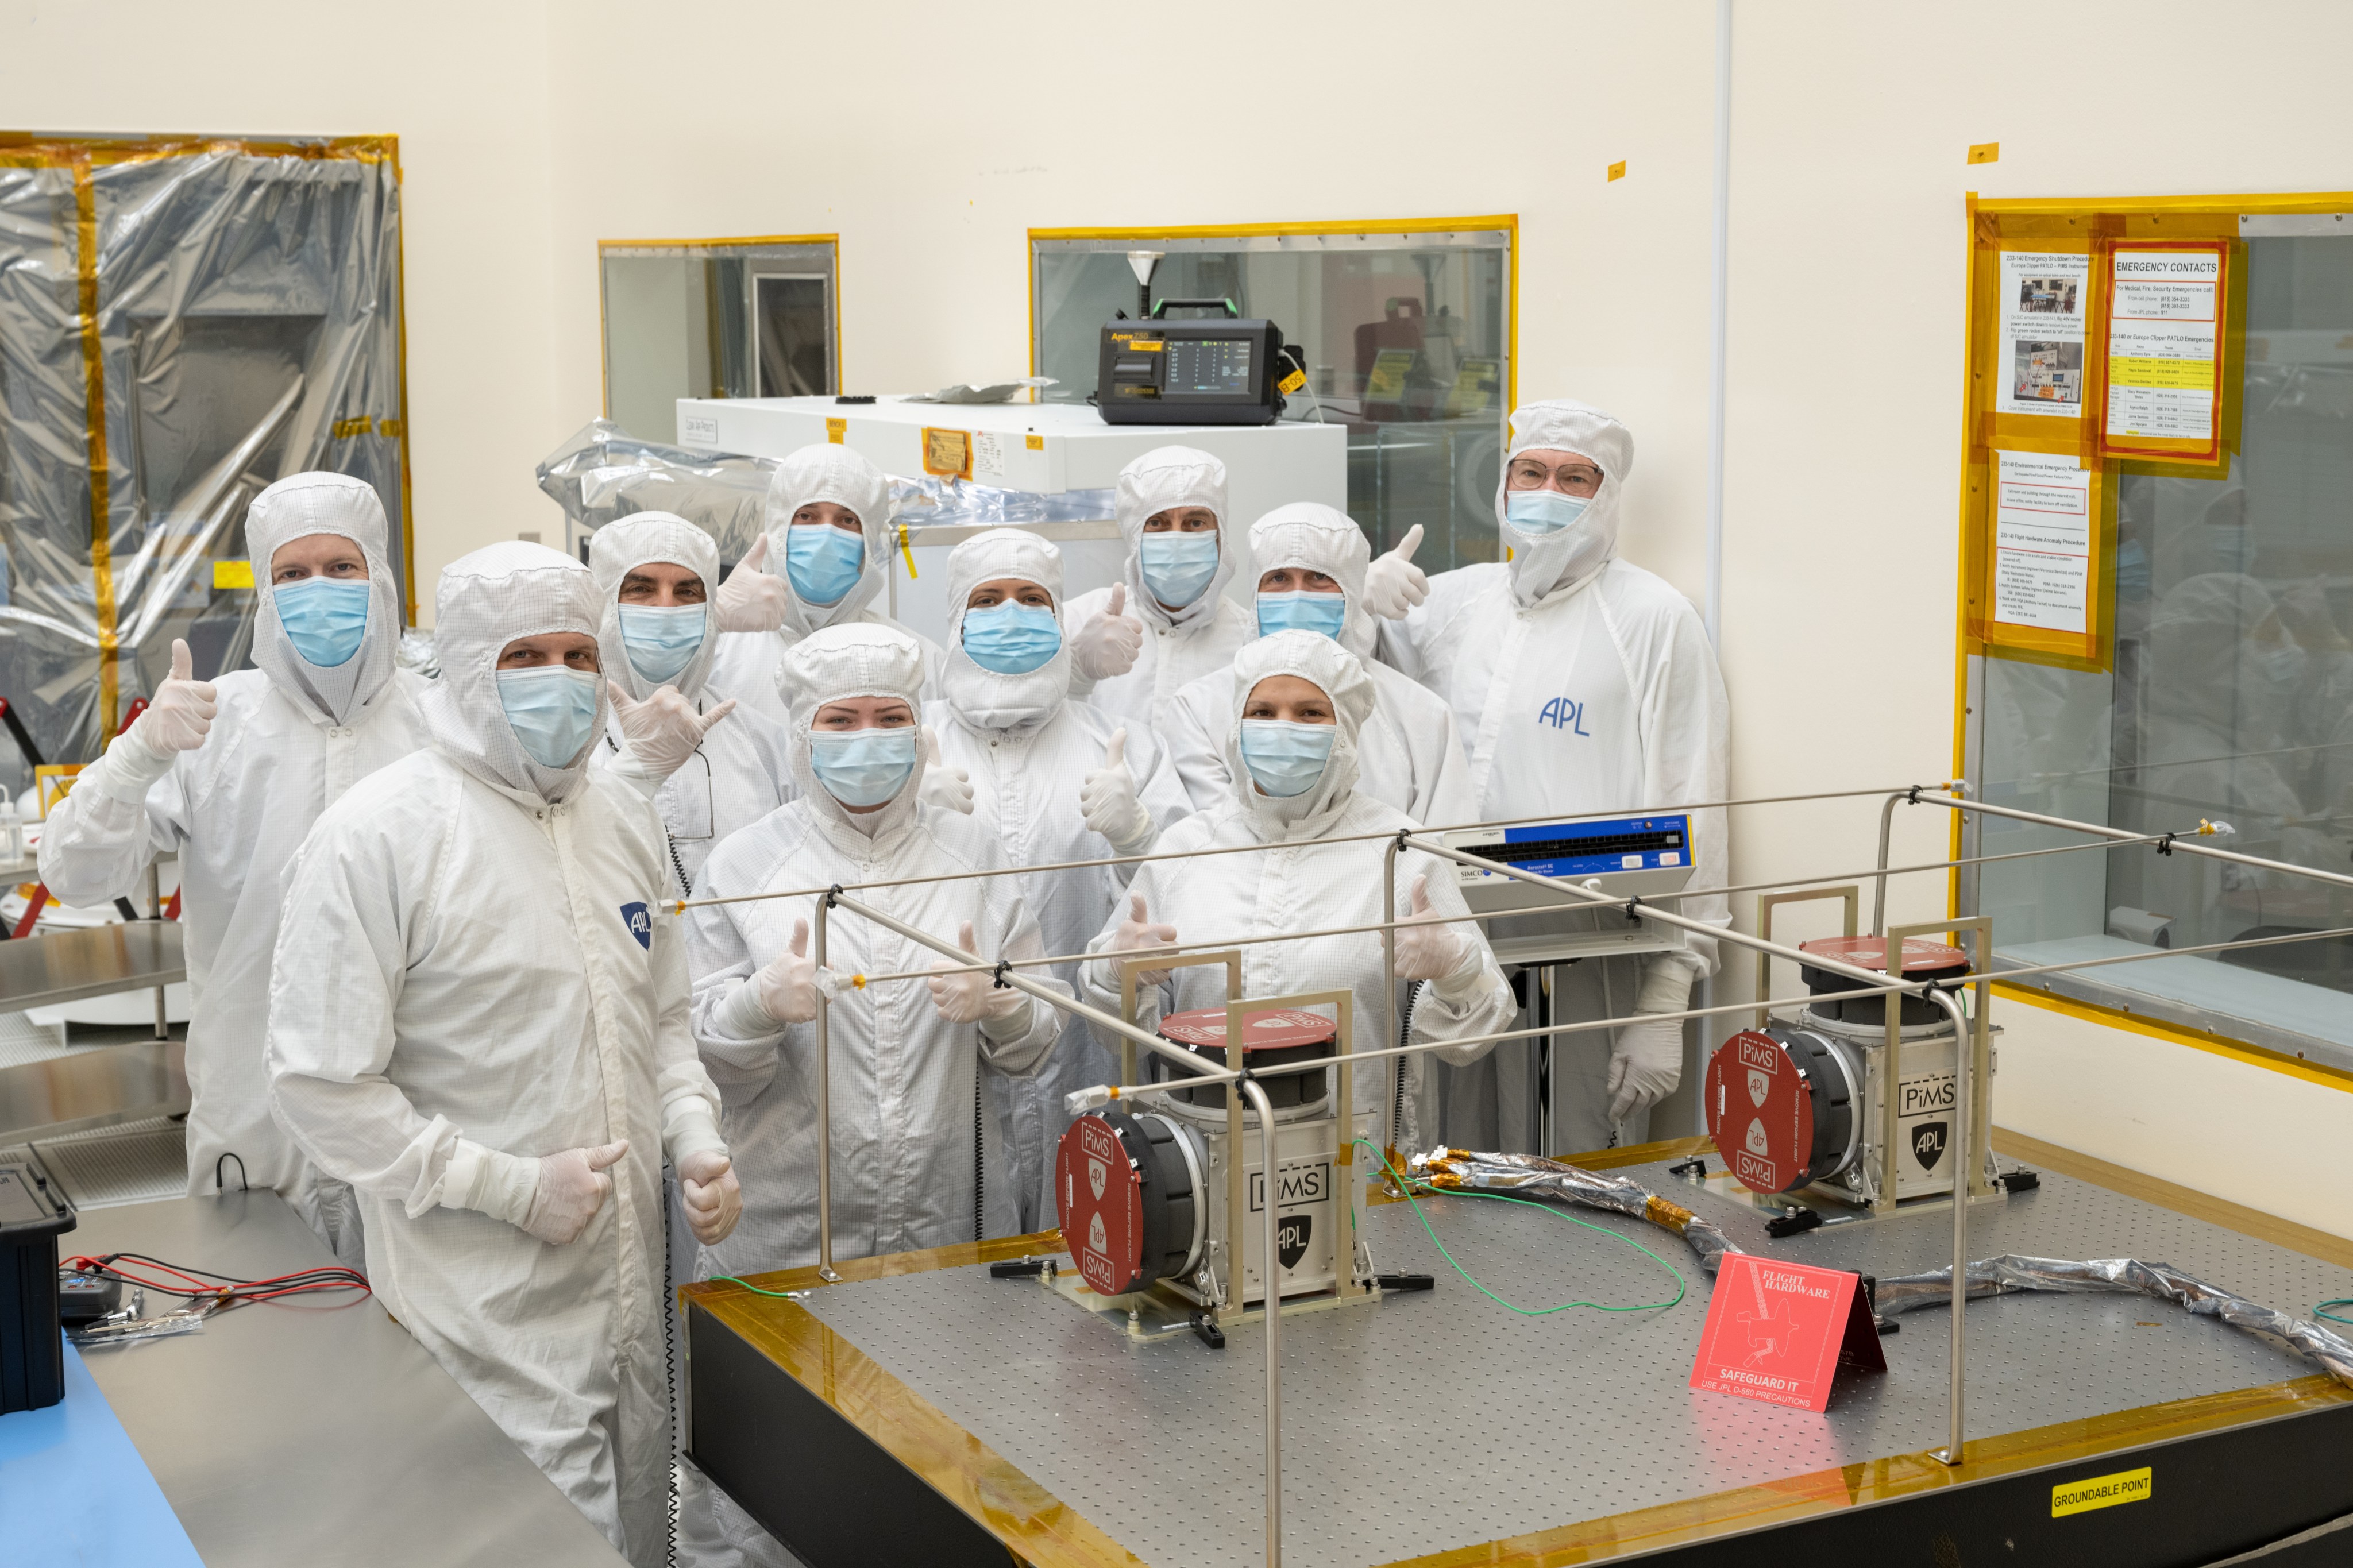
(1046, 1531)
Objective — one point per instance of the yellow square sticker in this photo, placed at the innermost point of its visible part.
(1616, 170)
(2101, 1491)
(1035, 443)
(232, 573)
(1985, 152)
(837, 431)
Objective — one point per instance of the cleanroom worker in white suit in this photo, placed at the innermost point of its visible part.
(478, 1018)
(1582, 685)
(829, 532)
(1301, 701)
(1051, 780)
(905, 1071)
(1169, 622)
(654, 572)
(228, 774)
(1311, 561)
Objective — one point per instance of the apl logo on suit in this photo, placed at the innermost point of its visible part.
(641, 921)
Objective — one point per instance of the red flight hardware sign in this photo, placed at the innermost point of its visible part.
(1780, 1331)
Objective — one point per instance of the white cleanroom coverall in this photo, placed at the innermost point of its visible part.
(1407, 756)
(1582, 685)
(1179, 646)
(1292, 884)
(746, 664)
(740, 772)
(1029, 754)
(286, 742)
(476, 973)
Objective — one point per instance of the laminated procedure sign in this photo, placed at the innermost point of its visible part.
(2164, 349)
(2045, 540)
(2043, 298)
(1779, 1331)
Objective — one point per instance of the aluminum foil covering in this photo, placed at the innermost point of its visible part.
(602, 474)
(1531, 1175)
(2006, 1276)
(246, 327)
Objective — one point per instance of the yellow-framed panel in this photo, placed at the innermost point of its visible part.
(42, 150)
(604, 369)
(2061, 222)
(1367, 227)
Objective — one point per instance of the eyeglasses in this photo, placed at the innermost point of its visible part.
(1528, 474)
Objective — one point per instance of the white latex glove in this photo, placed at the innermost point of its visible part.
(1646, 1062)
(948, 788)
(1138, 930)
(786, 986)
(972, 996)
(180, 715)
(571, 1187)
(714, 1202)
(1107, 798)
(751, 600)
(1430, 951)
(664, 729)
(1393, 583)
(1107, 644)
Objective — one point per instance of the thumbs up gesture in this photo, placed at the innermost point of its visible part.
(751, 600)
(1432, 951)
(786, 984)
(181, 715)
(1107, 644)
(950, 789)
(1108, 803)
(972, 996)
(664, 729)
(1393, 583)
(1138, 930)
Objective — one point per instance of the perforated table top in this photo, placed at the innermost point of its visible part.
(1442, 1420)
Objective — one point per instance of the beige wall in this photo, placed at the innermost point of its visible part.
(931, 138)
(465, 89)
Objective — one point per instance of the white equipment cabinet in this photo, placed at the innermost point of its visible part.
(1046, 448)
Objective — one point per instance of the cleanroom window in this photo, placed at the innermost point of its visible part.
(1406, 337)
(750, 317)
(2225, 695)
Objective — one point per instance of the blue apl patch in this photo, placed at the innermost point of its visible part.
(641, 921)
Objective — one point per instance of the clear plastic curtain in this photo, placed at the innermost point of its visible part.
(181, 324)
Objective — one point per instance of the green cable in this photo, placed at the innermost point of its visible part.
(2322, 1310)
(756, 1291)
(1406, 1187)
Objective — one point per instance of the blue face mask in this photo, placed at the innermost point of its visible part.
(1012, 639)
(1176, 567)
(662, 639)
(1326, 613)
(1286, 759)
(862, 767)
(551, 709)
(324, 618)
(1543, 512)
(823, 562)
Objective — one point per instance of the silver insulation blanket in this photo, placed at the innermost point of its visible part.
(1527, 1174)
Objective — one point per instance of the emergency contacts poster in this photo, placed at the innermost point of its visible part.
(2045, 297)
(2164, 351)
(2043, 539)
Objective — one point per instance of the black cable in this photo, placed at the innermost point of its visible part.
(979, 1191)
(220, 1183)
(670, 1378)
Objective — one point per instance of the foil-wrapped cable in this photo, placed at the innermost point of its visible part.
(2010, 1274)
(1444, 1168)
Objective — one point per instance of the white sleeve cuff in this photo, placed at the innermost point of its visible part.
(740, 1016)
(1666, 984)
(488, 1182)
(693, 1129)
(129, 768)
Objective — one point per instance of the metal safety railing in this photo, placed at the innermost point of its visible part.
(1969, 1058)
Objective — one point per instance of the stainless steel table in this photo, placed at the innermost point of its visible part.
(68, 966)
(302, 1434)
